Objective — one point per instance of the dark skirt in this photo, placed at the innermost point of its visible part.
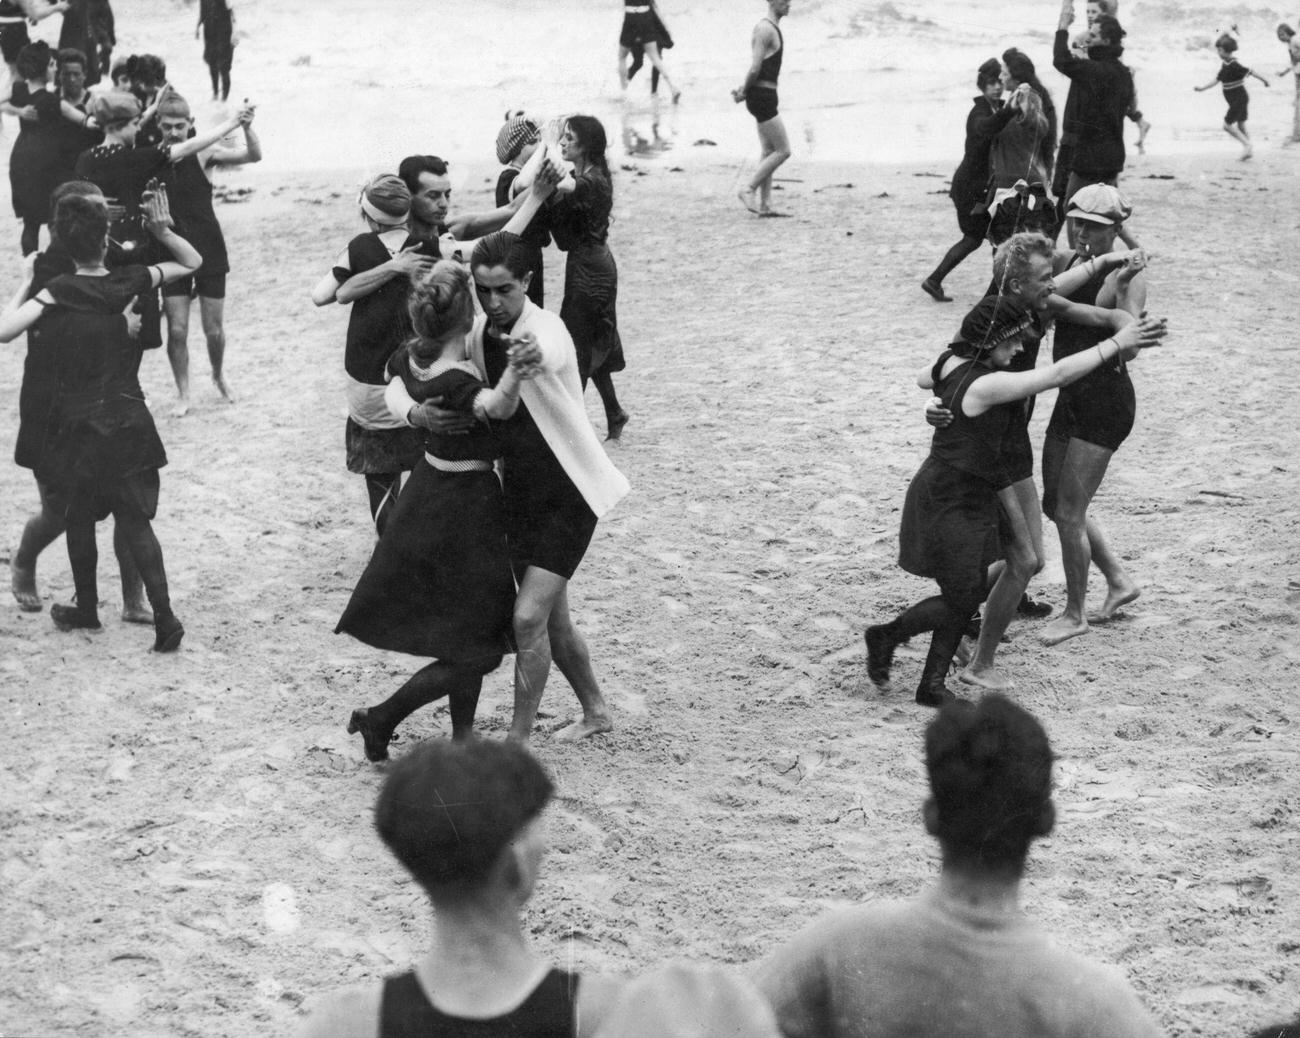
(439, 583)
(950, 528)
(380, 451)
(642, 27)
(36, 168)
(590, 310)
(93, 465)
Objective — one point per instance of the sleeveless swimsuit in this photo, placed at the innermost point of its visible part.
(762, 100)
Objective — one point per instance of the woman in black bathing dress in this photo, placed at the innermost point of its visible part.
(579, 215)
(439, 583)
(949, 528)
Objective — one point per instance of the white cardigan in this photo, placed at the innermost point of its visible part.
(554, 399)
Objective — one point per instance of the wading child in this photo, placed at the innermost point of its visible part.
(1233, 76)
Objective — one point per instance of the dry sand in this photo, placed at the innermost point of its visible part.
(187, 847)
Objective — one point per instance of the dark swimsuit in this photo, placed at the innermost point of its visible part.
(1233, 77)
(762, 100)
(549, 1012)
(1100, 407)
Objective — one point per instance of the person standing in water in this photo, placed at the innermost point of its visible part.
(758, 91)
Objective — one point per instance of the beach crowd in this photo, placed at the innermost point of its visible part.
(486, 482)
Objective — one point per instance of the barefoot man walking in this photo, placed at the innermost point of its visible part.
(759, 94)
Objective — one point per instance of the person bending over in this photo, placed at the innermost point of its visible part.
(963, 960)
(465, 821)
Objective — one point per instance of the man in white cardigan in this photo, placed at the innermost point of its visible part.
(558, 481)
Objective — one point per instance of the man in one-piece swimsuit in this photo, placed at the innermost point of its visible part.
(1091, 419)
(758, 91)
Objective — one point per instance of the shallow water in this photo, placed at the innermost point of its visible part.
(862, 82)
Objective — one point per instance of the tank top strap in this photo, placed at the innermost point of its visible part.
(406, 1012)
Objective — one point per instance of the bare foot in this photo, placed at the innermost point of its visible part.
(220, 382)
(1062, 629)
(772, 214)
(136, 613)
(1116, 600)
(23, 582)
(182, 407)
(748, 198)
(1247, 155)
(588, 726)
(990, 678)
(965, 650)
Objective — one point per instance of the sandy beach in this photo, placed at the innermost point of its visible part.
(187, 847)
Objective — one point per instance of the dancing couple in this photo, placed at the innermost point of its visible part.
(468, 568)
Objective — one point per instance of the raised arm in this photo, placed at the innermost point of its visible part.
(39, 10)
(500, 402)
(202, 141)
(157, 218)
(1002, 387)
(250, 151)
(544, 185)
(1066, 63)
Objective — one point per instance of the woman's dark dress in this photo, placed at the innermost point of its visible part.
(536, 236)
(439, 582)
(580, 225)
(36, 164)
(102, 446)
(950, 517)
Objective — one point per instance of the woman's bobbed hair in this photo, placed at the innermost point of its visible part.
(442, 302)
(81, 225)
(33, 60)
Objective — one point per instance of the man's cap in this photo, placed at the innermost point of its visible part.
(114, 107)
(513, 135)
(1099, 203)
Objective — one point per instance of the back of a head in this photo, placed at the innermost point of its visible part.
(33, 60)
(386, 200)
(1227, 42)
(990, 770)
(148, 70)
(80, 225)
(442, 303)
(448, 810)
(1109, 31)
(1019, 65)
(690, 1001)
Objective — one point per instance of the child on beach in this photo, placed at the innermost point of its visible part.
(102, 454)
(1233, 76)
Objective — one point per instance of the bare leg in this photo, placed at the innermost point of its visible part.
(623, 53)
(776, 149)
(212, 313)
(135, 609)
(1082, 471)
(1238, 132)
(656, 59)
(39, 533)
(542, 601)
(569, 650)
(1120, 589)
(1024, 559)
(177, 309)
